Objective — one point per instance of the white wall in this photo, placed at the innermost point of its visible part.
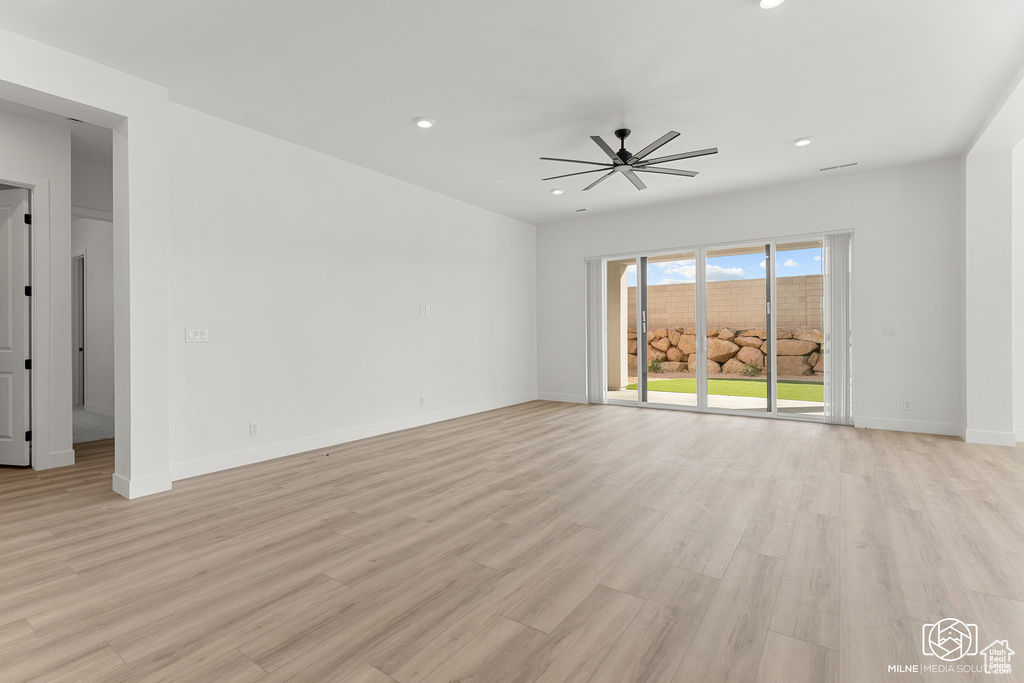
(95, 239)
(43, 151)
(1017, 270)
(309, 273)
(908, 262)
(92, 186)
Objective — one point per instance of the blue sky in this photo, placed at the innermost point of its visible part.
(742, 267)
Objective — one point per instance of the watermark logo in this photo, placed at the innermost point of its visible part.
(949, 639)
(997, 657)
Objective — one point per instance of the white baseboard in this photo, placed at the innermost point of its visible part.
(563, 398)
(1019, 435)
(99, 410)
(143, 486)
(248, 456)
(989, 437)
(917, 426)
(47, 461)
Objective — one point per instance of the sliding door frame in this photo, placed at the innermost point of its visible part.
(771, 359)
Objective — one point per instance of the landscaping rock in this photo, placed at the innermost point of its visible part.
(793, 366)
(631, 334)
(632, 346)
(659, 333)
(754, 333)
(809, 335)
(714, 368)
(655, 354)
(687, 344)
(783, 334)
(720, 350)
(673, 336)
(813, 358)
(732, 367)
(690, 331)
(712, 333)
(632, 363)
(748, 341)
(726, 334)
(661, 343)
(675, 355)
(749, 354)
(794, 347)
(669, 366)
(819, 365)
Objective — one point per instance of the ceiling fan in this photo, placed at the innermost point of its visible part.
(629, 164)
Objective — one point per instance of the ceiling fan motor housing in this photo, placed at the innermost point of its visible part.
(622, 134)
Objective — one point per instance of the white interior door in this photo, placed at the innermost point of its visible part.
(14, 328)
(78, 330)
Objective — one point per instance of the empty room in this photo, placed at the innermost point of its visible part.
(673, 341)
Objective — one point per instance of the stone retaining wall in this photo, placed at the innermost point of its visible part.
(798, 352)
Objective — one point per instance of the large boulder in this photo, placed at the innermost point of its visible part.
(659, 333)
(631, 334)
(732, 367)
(753, 333)
(813, 358)
(783, 333)
(712, 333)
(714, 368)
(809, 335)
(670, 366)
(632, 363)
(794, 347)
(674, 335)
(655, 354)
(690, 331)
(661, 343)
(793, 366)
(819, 365)
(749, 354)
(726, 334)
(687, 344)
(632, 346)
(720, 350)
(748, 341)
(675, 355)
(691, 362)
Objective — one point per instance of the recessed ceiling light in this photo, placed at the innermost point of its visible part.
(770, 4)
(557, 191)
(803, 142)
(424, 122)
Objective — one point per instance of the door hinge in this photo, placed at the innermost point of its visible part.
(28, 290)
(28, 435)
(28, 364)
(768, 307)
(28, 219)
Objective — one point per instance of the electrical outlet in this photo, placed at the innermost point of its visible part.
(561, 384)
(423, 401)
(427, 309)
(906, 404)
(254, 429)
(888, 330)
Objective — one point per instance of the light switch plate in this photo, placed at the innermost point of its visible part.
(196, 336)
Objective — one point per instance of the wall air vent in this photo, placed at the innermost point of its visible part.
(832, 168)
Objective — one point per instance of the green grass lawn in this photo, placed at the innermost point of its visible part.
(752, 388)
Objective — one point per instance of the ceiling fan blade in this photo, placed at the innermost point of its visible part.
(684, 155)
(606, 149)
(577, 161)
(633, 179)
(667, 171)
(593, 170)
(604, 177)
(664, 139)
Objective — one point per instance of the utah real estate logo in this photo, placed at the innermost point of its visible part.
(951, 640)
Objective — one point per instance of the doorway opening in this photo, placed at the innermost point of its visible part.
(15, 327)
(758, 328)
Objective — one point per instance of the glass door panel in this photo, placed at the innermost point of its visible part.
(620, 317)
(801, 367)
(671, 329)
(738, 328)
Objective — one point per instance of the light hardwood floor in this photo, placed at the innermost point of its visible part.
(542, 542)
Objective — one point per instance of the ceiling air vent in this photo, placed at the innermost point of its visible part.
(832, 168)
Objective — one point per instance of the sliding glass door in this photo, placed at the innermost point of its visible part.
(741, 329)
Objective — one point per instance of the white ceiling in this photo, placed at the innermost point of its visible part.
(878, 82)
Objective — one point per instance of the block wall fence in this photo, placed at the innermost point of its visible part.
(736, 304)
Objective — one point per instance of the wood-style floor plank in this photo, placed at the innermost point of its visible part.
(540, 542)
